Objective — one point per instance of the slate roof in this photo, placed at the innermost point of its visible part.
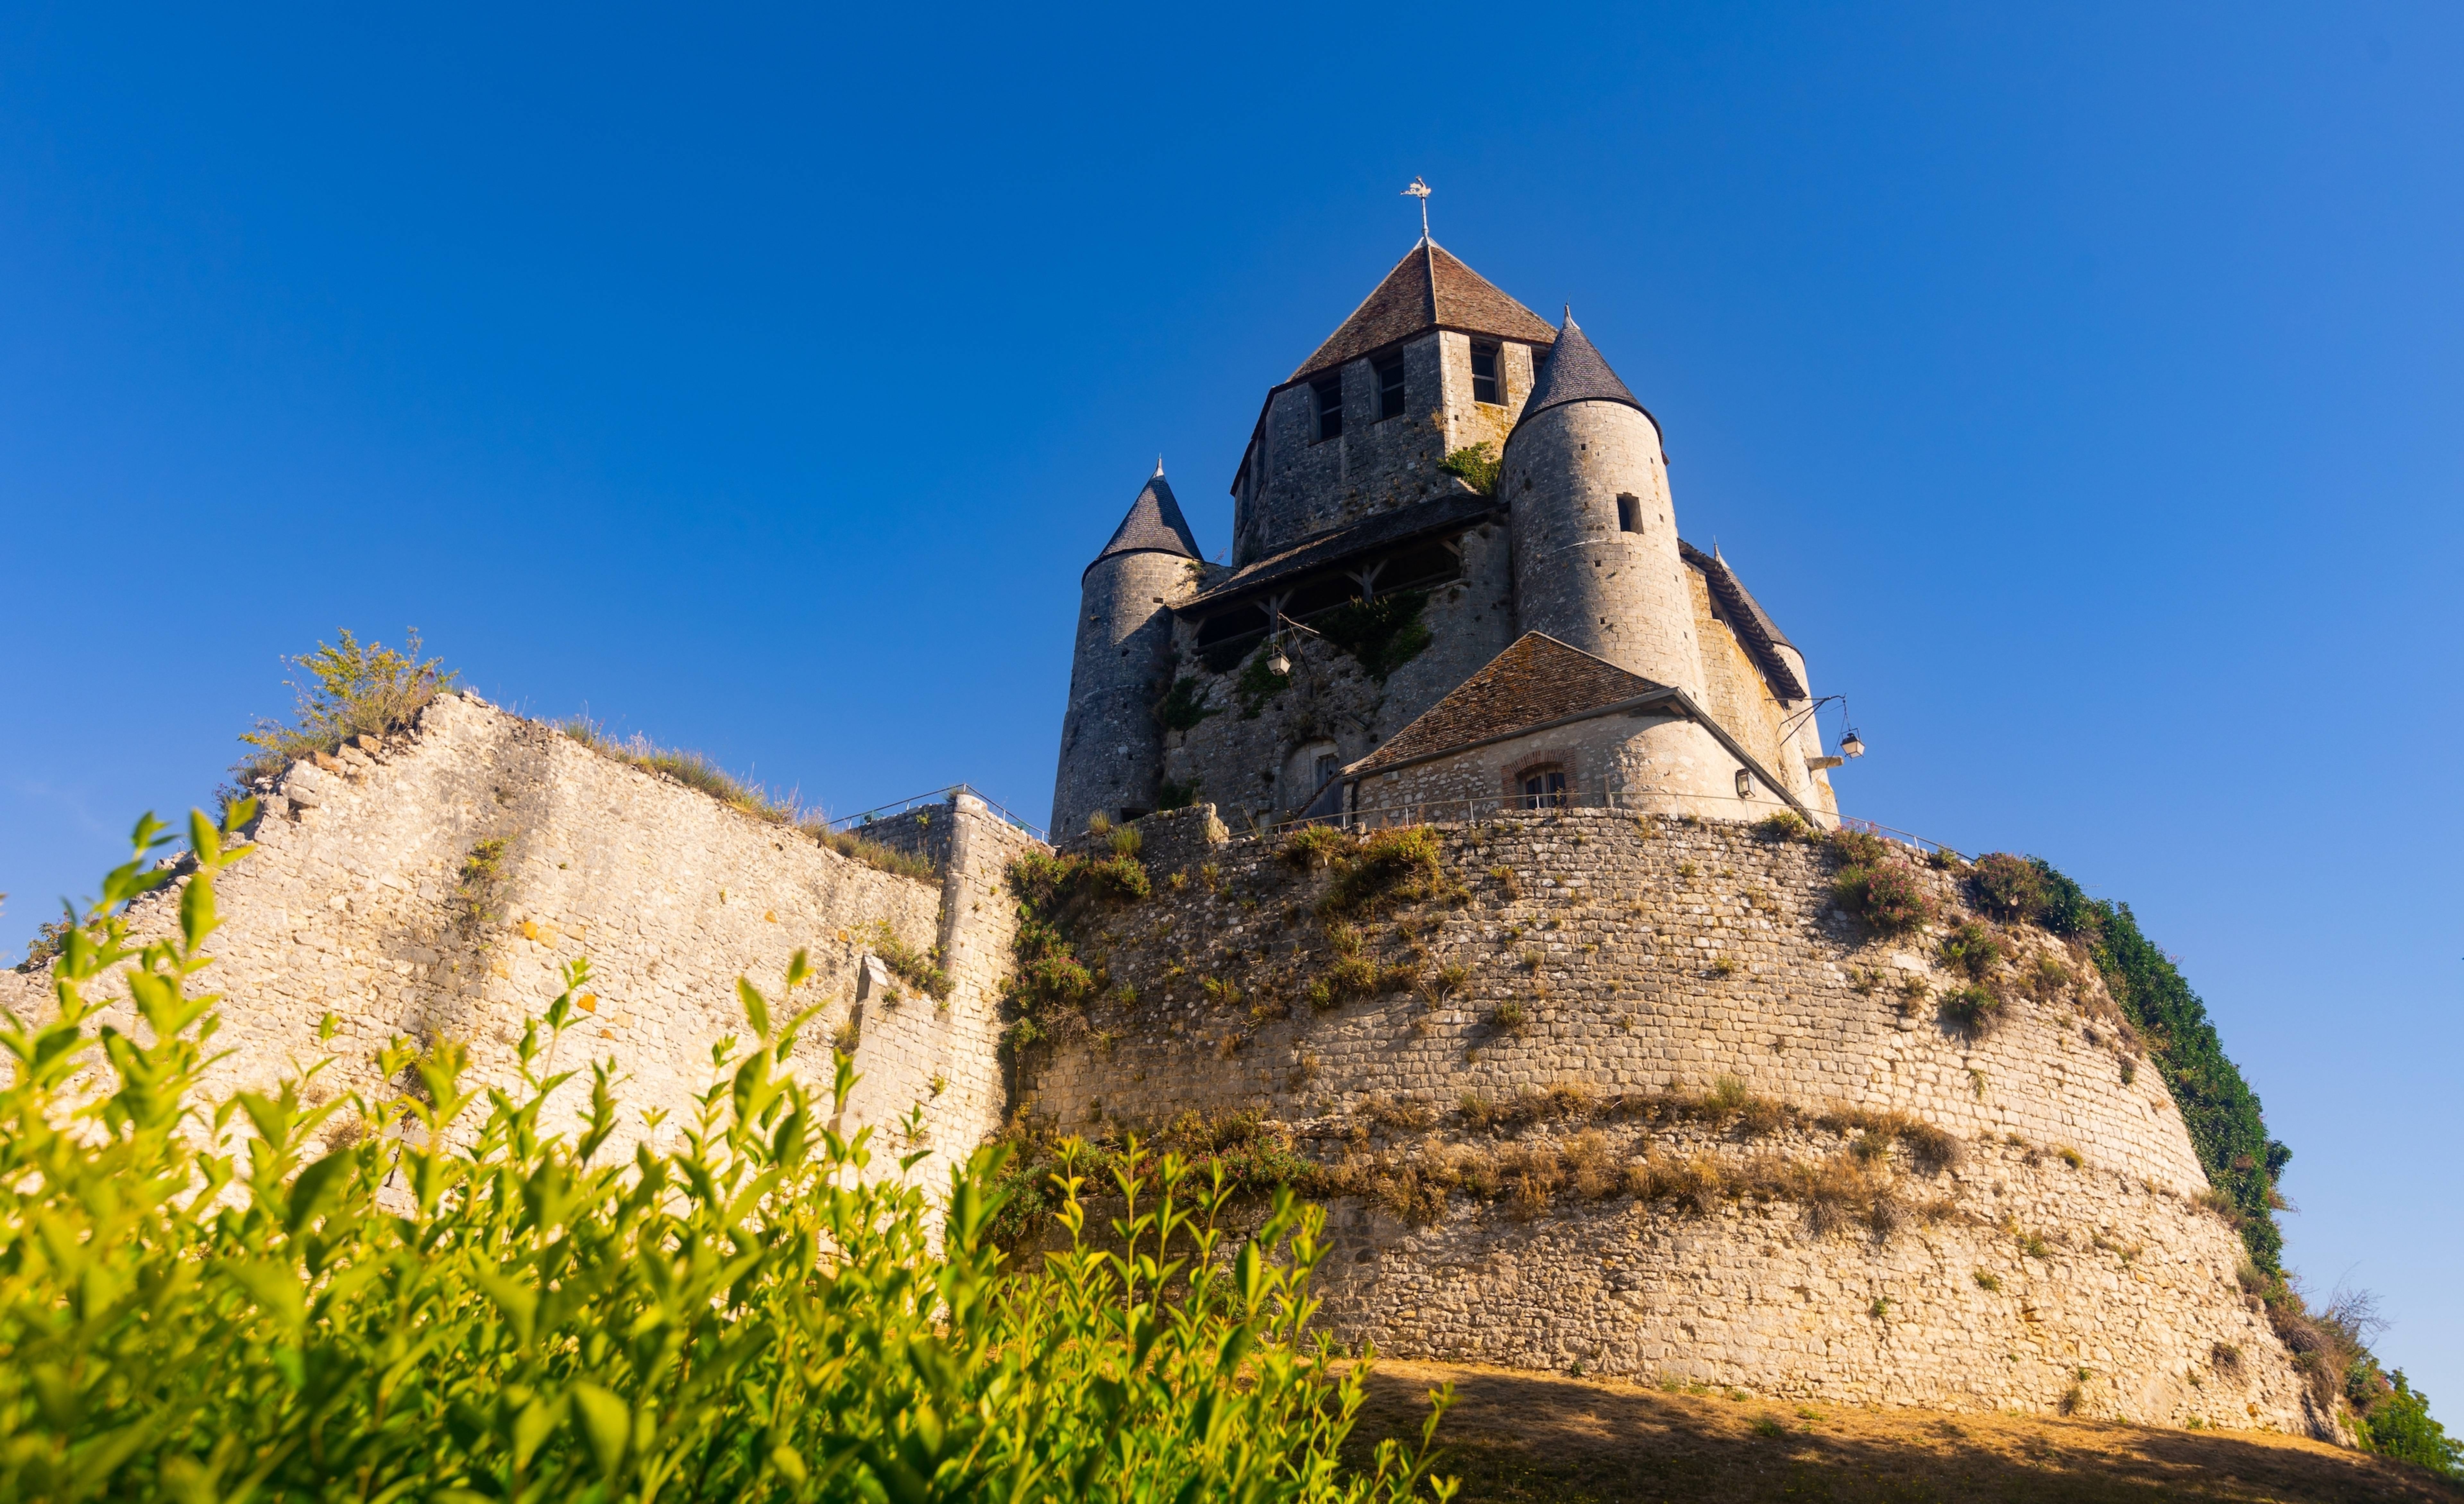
(1754, 626)
(1382, 531)
(1155, 525)
(1577, 372)
(1537, 680)
(1428, 288)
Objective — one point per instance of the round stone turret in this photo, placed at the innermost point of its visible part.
(1112, 744)
(1595, 556)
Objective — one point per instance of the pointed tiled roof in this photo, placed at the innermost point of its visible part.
(1155, 525)
(1537, 680)
(1577, 373)
(1428, 288)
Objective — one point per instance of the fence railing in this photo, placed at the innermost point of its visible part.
(1514, 806)
(891, 811)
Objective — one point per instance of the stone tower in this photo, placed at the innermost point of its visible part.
(1111, 753)
(1597, 562)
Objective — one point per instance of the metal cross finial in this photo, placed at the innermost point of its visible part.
(1421, 190)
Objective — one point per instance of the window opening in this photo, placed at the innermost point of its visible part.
(1484, 374)
(1390, 388)
(1330, 408)
(1544, 788)
(1629, 514)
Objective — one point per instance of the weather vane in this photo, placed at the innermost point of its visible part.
(1421, 190)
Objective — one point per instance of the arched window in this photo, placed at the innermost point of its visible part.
(1543, 788)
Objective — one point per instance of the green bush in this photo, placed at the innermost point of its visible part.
(2399, 1425)
(430, 1295)
(1477, 464)
(1185, 706)
(2007, 887)
(1887, 895)
(346, 690)
(1382, 635)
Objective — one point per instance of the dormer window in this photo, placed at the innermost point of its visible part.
(1390, 388)
(1483, 374)
(1328, 396)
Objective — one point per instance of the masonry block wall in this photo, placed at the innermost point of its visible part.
(1254, 758)
(1618, 965)
(372, 895)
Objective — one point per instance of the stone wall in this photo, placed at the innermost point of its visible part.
(1245, 763)
(1299, 485)
(362, 899)
(1636, 974)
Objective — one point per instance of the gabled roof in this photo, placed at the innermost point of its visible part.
(1577, 373)
(1754, 626)
(1155, 525)
(1536, 681)
(1428, 288)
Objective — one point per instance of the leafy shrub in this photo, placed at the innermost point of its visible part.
(2006, 887)
(1972, 1009)
(1973, 950)
(1185, 706)
(1382, 635)
(920, 968)
(348, 690)
(1856, 848)
(2399, 1426)
(744, 1319)
(1314, 847)
(1780, 825)
(1397, 866)
(1888, 895)
(1477, 464)
(1258, 683)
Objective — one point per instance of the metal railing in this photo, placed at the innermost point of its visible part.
(1519, 806)
(896, 808)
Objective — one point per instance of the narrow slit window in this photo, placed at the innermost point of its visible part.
(1390, 388)
(1484, 374)
(1629, 514)
(1330, 408)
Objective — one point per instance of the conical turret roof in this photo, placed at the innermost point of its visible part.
(1577, 373)
(1155, 524)
(1428, 288)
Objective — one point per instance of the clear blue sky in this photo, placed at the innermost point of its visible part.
(2078, 386)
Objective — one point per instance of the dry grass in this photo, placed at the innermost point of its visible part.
(1518, 1438)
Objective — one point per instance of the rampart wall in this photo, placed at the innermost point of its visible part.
(378, 892)
(1641, 1097)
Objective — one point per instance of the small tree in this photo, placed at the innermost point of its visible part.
(347, 690)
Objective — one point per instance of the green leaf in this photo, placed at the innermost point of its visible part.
(531, 1428)
(757, 1008)
(273, 1287)
(315, 1184)
(605, 1421)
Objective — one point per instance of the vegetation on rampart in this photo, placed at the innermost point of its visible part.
(350, 688)
(696, 771)
(1382, 635)
(298, 1295)
(1477, 464)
